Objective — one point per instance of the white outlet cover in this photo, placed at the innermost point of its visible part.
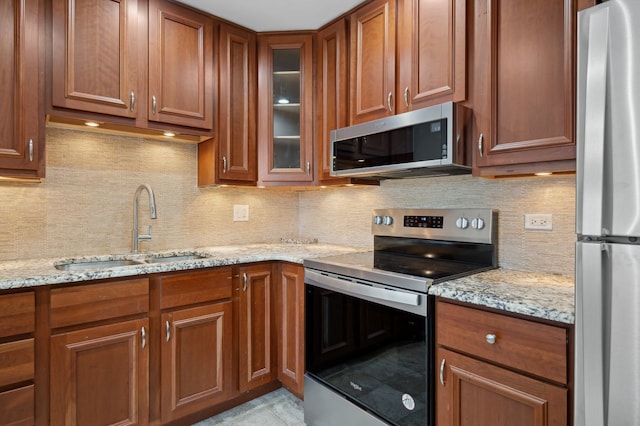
(538, 222)
(240, 213)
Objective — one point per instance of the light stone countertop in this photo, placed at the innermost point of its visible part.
(545, 296)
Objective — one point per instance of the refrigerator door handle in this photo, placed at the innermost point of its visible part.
(589, 335)
(593, 125)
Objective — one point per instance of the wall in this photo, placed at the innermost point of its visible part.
(85, 204)
(343, 216)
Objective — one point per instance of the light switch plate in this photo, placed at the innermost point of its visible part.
(240, 213)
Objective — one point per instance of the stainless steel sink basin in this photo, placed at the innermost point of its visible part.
(94, 264)
(176, 258)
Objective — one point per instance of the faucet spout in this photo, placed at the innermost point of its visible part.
(152, 209)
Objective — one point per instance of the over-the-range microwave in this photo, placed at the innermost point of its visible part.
(431, 141)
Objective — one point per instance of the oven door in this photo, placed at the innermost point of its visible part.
(368, 351)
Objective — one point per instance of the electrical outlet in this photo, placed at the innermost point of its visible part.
(538, 222)
(240, 213)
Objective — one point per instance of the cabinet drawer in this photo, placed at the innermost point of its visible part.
(16, 362)
(195, 287)
(529, 346)
(17, 314)
(96, 302)
(17, 406)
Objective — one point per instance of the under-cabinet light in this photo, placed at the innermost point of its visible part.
(169, 134)
(91, 124)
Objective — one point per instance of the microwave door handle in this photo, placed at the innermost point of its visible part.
(354, 289)
(592, 133)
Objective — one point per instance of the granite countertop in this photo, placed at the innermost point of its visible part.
(545, 296)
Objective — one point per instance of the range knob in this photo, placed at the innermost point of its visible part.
(377, 220)
(477, 223)
(387, 220)
(462, 223)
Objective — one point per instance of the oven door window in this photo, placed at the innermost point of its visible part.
(374, 355)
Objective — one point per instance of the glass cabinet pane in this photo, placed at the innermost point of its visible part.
(286, 108)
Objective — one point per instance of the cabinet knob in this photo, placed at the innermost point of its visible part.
(490, 338)
(167, 329)
(442, 371)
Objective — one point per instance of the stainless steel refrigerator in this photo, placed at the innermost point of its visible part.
(607, 344)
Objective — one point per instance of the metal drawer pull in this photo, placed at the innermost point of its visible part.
(406, 96)
(143, 332)
(224, 164)
(132, 102)
(491, 338)
(154, 104)
(480, 140)
(308, 167)
(389, 98)
(30, 149)
(442, 372)
(244, 279)
(167, 328)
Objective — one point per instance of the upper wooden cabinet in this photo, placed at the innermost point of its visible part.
(431, 53)
(285, 109)
(232, 158)
(373, 67)
(523, 91)
(181, 66)
(21, 113)
(427, 49)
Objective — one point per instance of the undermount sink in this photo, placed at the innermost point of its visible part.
(87, 264)
(94, 264)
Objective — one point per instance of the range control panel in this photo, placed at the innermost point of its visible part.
(464, 225)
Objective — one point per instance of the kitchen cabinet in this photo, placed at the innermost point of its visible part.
(285, 109)
(256, 327)
(196, 341)
(235, 160)
(17, 358)
(523, 90)
(289, 308)
(497, 369)
(22, 153)
(99, 354)
(181, 66)
(133, 63)
(431, 43)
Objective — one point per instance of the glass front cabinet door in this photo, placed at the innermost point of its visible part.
(285, 110)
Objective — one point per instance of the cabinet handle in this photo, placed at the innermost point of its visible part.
(224, 164)
(244, 279)
(442, 372)
(308, 167)
(154, 104)
(167, 329)
(491, 338)
(406, 96)
(480, 140)
(30, 149)
(132, 99)
(143, 332)
(389, 99)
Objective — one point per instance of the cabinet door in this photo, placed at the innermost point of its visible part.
(257, 349)
(290, 325)
(523, 88)
(373, 51)
(285, 109)
(100, 375)
(95, 52)
(181, 66)
(431, 52)
(237, 160)
(196, 359)
(21, 116)
(473, 392)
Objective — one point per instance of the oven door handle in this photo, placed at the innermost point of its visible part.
(355, 289)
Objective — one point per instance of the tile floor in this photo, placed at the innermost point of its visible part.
(278, 408)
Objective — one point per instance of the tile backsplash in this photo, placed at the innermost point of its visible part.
(85, 205)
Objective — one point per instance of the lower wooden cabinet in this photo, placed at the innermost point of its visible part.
(16, 406)
(497, 369)
(256, 326)
(100, 375)
(290, 325)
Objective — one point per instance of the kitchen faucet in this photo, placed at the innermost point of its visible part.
(152, 207)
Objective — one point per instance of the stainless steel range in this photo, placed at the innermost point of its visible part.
(369, 328)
